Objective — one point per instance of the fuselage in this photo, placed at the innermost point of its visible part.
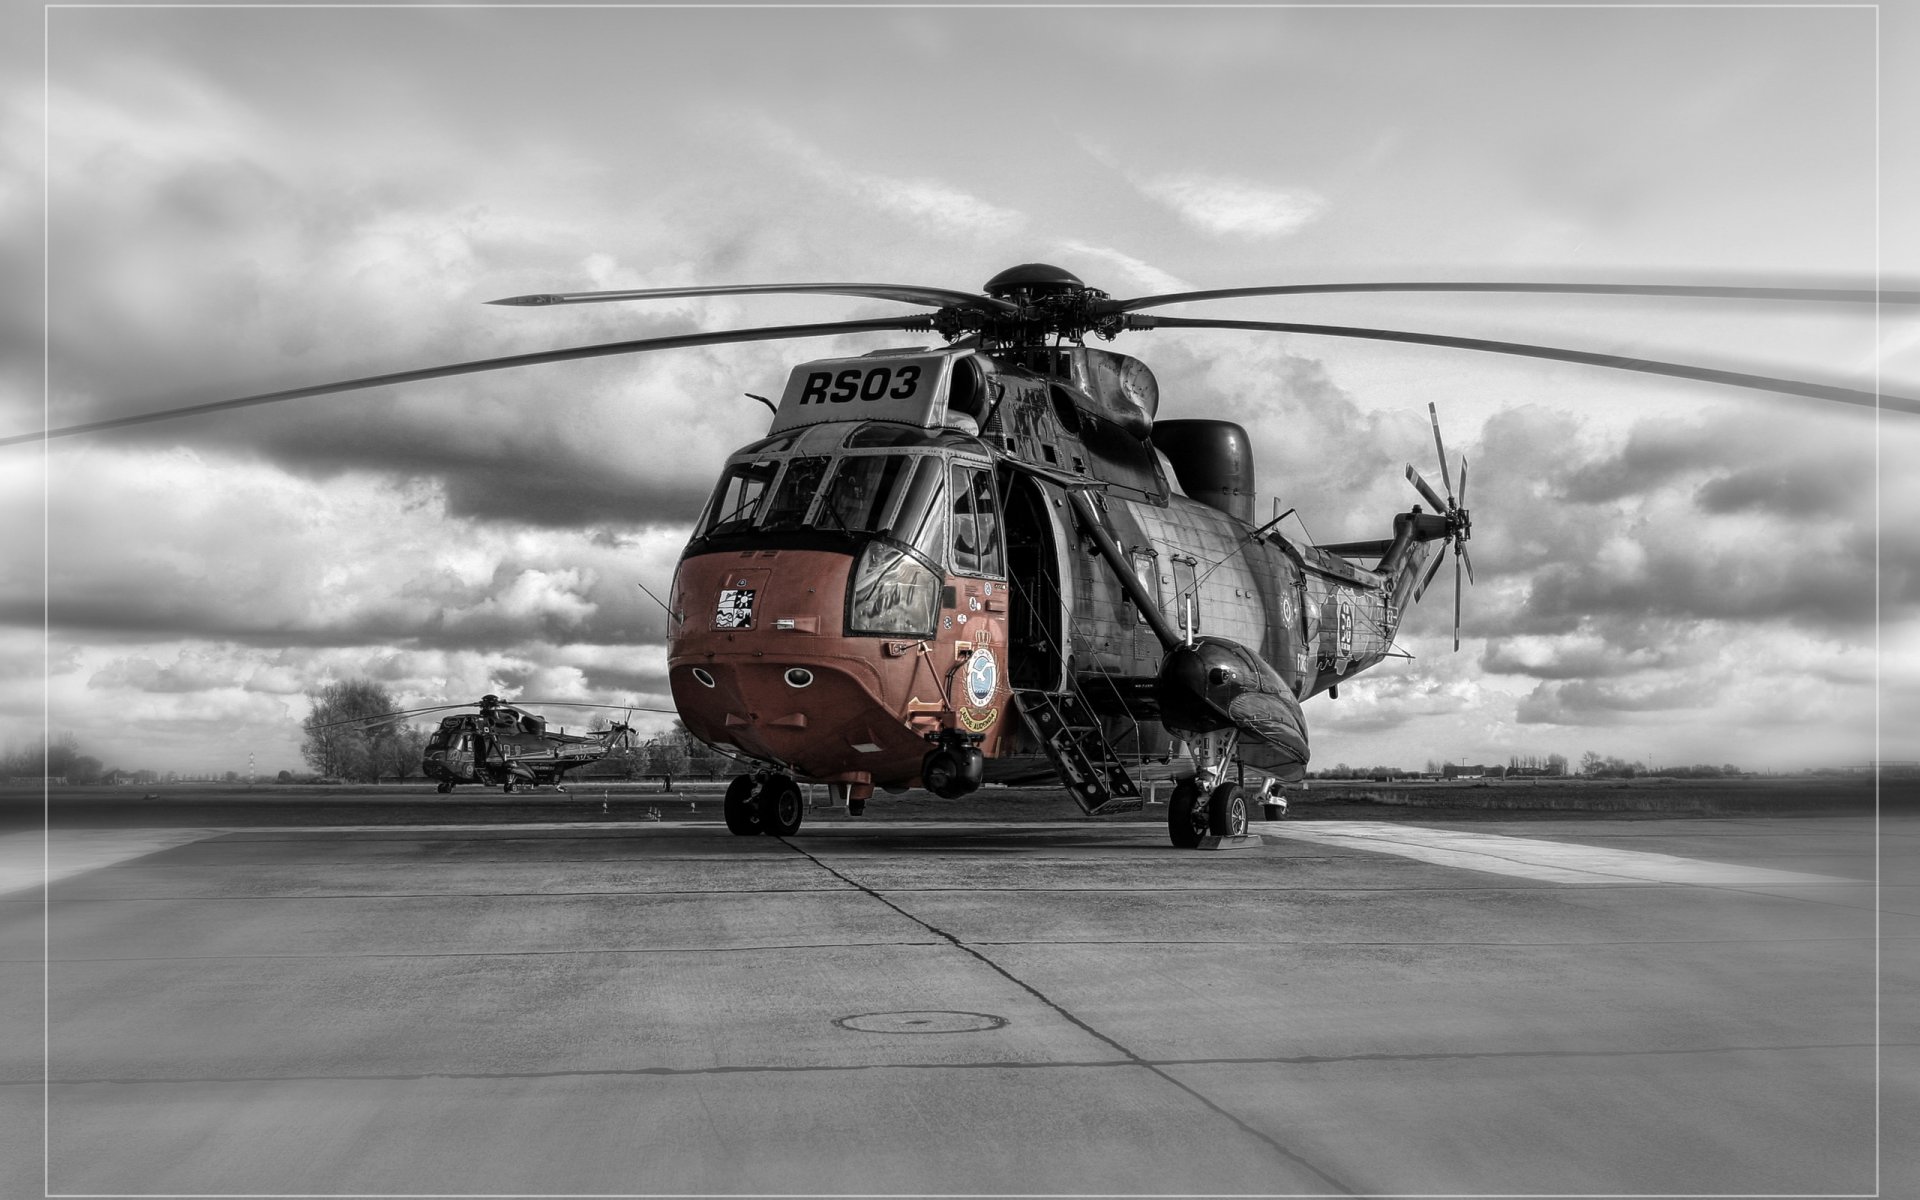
(905, 556)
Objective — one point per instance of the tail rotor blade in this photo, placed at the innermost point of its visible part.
(1431, 572)
(1433, 498)
(1456, 602)
(1468, 560)
(1445, 477)
(1463, 481)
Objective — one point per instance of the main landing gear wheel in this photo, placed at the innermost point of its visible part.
(1227, 811)
(1186, 815)
(507, 786)
(742, 814)
(444, 787)
(782, 805)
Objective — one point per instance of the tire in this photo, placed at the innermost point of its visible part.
(444, 787)
(742, 814)
(1227, 811)
(784, 806)
(1186, 819)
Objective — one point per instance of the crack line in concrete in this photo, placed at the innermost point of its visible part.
(1068, 1016)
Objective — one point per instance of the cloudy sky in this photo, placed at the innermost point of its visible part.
(240, 199)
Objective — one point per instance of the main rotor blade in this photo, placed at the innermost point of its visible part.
(1859, 295)
(1446, 476)
(1764, 383)
(675, 342)
(905, 293)
(1417, 480)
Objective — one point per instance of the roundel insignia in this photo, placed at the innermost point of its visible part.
(983, 676)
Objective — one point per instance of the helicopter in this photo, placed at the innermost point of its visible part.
(501, 744)
(990, 561)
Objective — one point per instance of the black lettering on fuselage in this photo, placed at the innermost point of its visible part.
(872, 383)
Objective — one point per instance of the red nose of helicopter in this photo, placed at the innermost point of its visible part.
(840, 613)
(774, 656)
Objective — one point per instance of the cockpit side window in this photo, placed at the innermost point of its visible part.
(737, 500)
(922, 521)
(976, 523)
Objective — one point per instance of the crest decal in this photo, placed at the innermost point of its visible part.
(983, 677)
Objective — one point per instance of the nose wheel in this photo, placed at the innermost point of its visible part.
(772, 804)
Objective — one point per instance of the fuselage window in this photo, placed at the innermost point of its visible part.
(1186, 594)
(976, 523)
(1147, 573)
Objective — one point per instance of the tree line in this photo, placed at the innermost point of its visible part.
(58, 758)
(1593, 765)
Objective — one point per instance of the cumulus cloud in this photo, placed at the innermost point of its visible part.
(241, 551)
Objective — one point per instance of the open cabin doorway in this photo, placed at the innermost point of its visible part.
(1036, 604)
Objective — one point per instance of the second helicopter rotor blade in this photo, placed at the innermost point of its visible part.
(389, 718)
(1764, 383)
(1468, 560)
(604, 349)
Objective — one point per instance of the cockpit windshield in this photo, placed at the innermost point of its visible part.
(794, 498)
(849, 492)
(861, 492)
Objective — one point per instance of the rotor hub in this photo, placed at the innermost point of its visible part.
(1032, 279)
(1049, 302)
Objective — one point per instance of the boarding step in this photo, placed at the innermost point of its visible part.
(1079, 751)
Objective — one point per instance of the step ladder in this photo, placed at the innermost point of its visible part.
(1079, 751)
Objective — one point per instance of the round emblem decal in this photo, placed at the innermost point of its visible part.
(983, 676)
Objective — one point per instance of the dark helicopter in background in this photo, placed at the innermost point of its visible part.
(503, 745)
(990, 561)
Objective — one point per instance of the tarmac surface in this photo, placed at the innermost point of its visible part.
(1351, 1004)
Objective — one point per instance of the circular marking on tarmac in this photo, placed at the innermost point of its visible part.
(921, 1021)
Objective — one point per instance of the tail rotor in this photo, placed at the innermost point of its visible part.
(1459, 522)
